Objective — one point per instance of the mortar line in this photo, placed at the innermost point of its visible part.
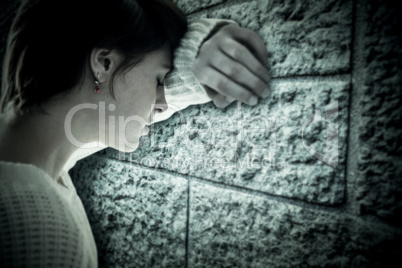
(349, 114)
(340, 76)
(338, 209)
(209, 7)
(216, 6)
(349, 134)
(188, 222)
(277, 198)
(357, 82)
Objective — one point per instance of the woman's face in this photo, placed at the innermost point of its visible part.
(139, 94)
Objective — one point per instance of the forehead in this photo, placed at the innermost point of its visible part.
(162, 57)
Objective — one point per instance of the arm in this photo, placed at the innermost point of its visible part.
(218, 61)
(182, 88)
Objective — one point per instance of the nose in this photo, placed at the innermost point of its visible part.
(160, 103)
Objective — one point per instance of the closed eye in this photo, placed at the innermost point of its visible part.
(160, 83)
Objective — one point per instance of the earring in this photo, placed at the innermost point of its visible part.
(97, 88)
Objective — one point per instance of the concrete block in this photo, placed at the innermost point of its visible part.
(234, 229)
(190, 6)
(303, 37)
(264, 148)
(379, 185)
(138, 216)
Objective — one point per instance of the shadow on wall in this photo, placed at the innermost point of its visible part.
(309, 177)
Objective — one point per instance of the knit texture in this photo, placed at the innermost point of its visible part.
(42, 224)
(42, 221)
(182, 89)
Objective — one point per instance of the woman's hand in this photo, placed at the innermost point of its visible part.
(231, 66)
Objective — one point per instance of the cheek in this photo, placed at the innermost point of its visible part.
(124, 131)
(142, 105)
(144, 99)
(136, 94)
(133, 98)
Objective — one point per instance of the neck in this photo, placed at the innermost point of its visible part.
(37, 140)
(40, 139)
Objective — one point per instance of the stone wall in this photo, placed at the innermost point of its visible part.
(310, 177)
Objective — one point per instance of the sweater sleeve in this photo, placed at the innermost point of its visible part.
(182, 88)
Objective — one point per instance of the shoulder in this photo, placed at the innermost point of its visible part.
(20, 175)
(35, 220)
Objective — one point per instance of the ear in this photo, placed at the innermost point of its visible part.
(104, 62)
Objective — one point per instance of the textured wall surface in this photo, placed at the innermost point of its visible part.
(138, 217)
(378, 188)
(310, 177)
(259, 148)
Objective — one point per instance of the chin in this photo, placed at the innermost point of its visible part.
(125, 146)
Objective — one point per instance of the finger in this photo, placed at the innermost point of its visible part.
(213, 94)
(242, 75)
(226, 86)
(229, 99)
(240, 53)
(210, 92)
(252, 41)
(221, 101)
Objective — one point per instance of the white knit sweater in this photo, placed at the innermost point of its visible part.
(42, 222)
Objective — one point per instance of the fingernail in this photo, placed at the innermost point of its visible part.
(266, 93)
(268, 77)
(229, 99)
(265, 59)
(253, 101)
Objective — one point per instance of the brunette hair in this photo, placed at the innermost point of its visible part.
(50, 42)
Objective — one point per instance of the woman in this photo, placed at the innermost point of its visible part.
(70, 65)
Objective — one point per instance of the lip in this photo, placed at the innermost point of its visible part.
(145, 131)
